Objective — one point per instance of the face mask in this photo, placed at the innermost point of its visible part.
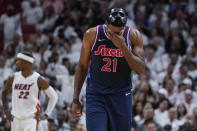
(117, 17)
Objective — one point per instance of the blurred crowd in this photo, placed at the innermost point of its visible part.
(163, 97)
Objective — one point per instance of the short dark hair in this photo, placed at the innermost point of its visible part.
(109, 10)
(28, 53)
(148, 121)
(151, 46)
(178, 113)
(65, 60)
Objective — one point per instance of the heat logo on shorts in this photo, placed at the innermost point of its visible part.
(103, 51)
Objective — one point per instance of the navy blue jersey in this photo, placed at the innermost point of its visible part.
(109, 71)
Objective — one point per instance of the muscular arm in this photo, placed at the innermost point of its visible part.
(135, 58)
(50, 92)
(42, 83)
(6, 91)
(82, 68)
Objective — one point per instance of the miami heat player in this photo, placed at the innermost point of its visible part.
(26, 85)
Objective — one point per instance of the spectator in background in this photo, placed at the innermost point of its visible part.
(180, 19)
(138, 111)
(161, 112)
(181, 113)
(189, 101)
(68, 66)
(57, 5)
(62, 121)
(7, 125)
(80, 128)
(33, 14)
(158, 42)
(133, 124)
(171, 93)
(148, 78)
(75, 42)
(48, 20)
(5, 72)
(149, 93)
(42, 68)
(165, 74)
(61, 104)
(18, 43)
(31, 43)
(11, 23)
(178, 74)
(150, 125)
(192, 69)
(73, 47)
(51, 125)
(185, 84)
(167, 128)
(73, 124)
(140, 18)
(171, 120)
(192, 49)
(148, 114)
(195, 116)
(152, 62)
(188, 127)
(64, 30)
(41, 37)
(52, 48)
(175, 42)
(54, 67)
(159, 18)
(161, 94)
(140, 97)
(9, 55)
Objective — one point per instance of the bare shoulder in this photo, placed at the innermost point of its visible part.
(42, 83)
(9, 83)
(135, 33)
(10, 79)
(41, 78)
(135, 37)
(137, 43)
(90, 33)
(89, 37)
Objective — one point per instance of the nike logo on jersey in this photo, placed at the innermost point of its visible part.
(127, 94)
(103, 51)
(101, 39)
(22, 86)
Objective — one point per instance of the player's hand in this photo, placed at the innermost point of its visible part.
(76, 111)
(8, 115)
(117, 39)
(39, 117)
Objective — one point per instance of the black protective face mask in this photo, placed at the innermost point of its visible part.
(117, 17)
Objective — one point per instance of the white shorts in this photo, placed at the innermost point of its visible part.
(29, 124)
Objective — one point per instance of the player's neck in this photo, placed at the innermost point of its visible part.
(27, 73)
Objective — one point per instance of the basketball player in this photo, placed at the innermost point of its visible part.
(26, 85)
(113, 50)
